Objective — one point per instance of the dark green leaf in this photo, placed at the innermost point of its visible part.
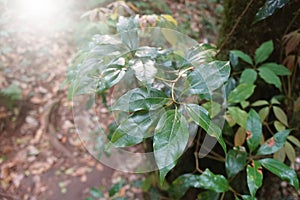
(274, 143)
(254, 177)
(248, 76)
(241, 93)
(141, 99)
(269, 77)
(253, 130)
(169, 141)
(248, 197)
(281, 170)
(116, 188)
(238, 115)
(209, 195)
(200, 116)
(242, 56)
(263, 52)
(279, 70)
(269, 8)
(235, 162)
(207, 180)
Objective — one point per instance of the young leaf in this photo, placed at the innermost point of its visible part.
(280, 115)
(279, 70)
(238, 115)
(141, 99)
(274, 143)
(290, 152)
(242, 56)
(169, 141)
(248, 76)
(281, 170)
(253, 130)
(260, 103)
(279, 126)
(207, 180)
(269, 8)
(263, 52)
(294, 140)
(200, 116)
(263, 113)
(144, 70)
(254, 177)
(235, 162)
(269, 77)
(241, 93)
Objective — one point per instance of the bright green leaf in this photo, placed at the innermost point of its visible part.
(238, 115)
(248, 76)
(269, 77)
(281, 170)
(141, 99)
(280, 115)
(254, 130)
(254, 177)
(241, 93)
(263, 52)
(169, 141)
(235, 162)
(279, 70)
(274, 143)
(242, 56)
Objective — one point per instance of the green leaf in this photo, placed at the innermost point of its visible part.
(281, 170)
(263, 113)
(290, 152)
(13, 92)
(141, 99)
(208, 195)
(110, 77)
(238, 115)
(116, 188)
(269, 77)
(263, 52)
(248, 76)
(200, 116)
(254, 177)
(242, 56)
(279, 126)
(127, 29)
(280, 115)
(235, 162)
(248, 197)
(260, 103)
(241, 93)
(253, 130)
(213, 108)
(97, 193)
(269, 8)
(207, 180)
(169, 141)
(208, 77)
(144, 70)
(280, 155)
(294, 140)
(274, 143)
(279, 70)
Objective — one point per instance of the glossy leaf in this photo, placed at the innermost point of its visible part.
(240, 137)
(279, 70)
(248, 76)
(281, 170)
(269, 77)
(263, 52)
(200, 116)
(110, 77)
(280, 115)
(260, 103)
(269, 8)
(253, 130)
(170, 139)
(207, 180)
(241, 93)
(274, 143)
(141, 99)
(254, 177)
(263, 113)
(127, 29)
(235, 162)
(242, 56)
(238, 115)
(290, 152)
(144, 70)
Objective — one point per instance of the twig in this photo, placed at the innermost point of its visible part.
(234, 27)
